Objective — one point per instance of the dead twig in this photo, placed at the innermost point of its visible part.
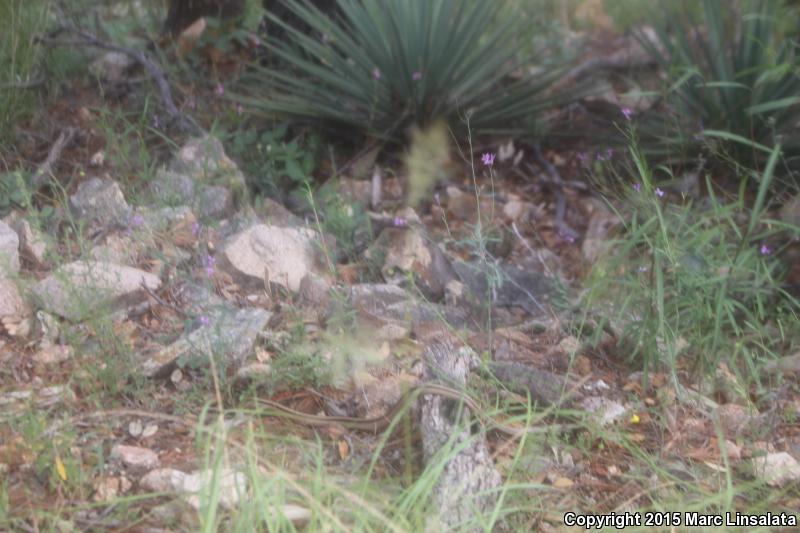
(45, 170)
(160, 301)
(186, 124)
(561, 201)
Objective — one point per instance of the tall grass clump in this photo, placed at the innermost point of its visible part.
(698, 282)
(20, 20)
(383, 66)
(733, 82)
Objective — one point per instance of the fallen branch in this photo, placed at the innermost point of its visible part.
(45, 170)
(186, 124)
(561, 201)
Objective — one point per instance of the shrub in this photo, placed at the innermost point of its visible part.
(734, 81)
(384, 65)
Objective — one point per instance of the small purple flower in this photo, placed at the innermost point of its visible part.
(416, 76)
(195, 228)
(642, 269)
(659, 192)
(400, 222)
(209, 262)
(437, 199)
(376, 73)
(219, 90)
(487, 159)
(137, 220)
(582, 157)
(765, 250)
(204, 320)
(609, 153)
(628, 112)
(567, 237)
(637, 187)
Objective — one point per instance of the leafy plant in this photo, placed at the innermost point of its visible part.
(385, 65)
(734, 81)
(280, 161)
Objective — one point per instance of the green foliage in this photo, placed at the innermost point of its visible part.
(694, 280)
(274, 159)
(733, 80)
(386, 65)
(20, 20)
(14, 192)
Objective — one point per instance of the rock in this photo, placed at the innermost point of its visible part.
(408, 251)
(605, 411)
(134, 456)
(518, 211)
(391, 313)
(231, 485)
(9, 249)
(52, 354)
(81, 288)
(507, 285)
(596, 242)
(112, 66)
(202, 158)
(283, 256)
(12, 305)
(118, 249)
(32, 245)
(777, 469)
(790, 212)
(100, 202)
(230, 333)
(173, 188)
(215, 201)
(166, 218)
(314, 291)
(275, 214)
(109, 488)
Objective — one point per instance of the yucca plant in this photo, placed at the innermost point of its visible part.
(734, 79)
(384, 65)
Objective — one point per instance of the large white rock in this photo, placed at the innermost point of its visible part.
(82, 288)
(232, 485)
(280, 255)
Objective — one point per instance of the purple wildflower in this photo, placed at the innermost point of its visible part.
(642, 269)
(400, 222)
(765, 250)
(209, 262)
(416, 76)
(137, 220)
(582, 157)
(376, 73)
(437, 199)
(487, 159)
(609, 153)
(659, 192)
(637, 187)
(628, 112)
(204, 320)
(195, 228)
(219, 90)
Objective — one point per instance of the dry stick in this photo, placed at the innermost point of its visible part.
(561, 202)
(186, 124)
(46, 168)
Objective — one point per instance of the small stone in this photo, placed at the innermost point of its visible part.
(149, 430)
(176, 376)
(9, 249)
(135, 456)
(51, 354)
(135, 428)
(100, 202)
(112, 66)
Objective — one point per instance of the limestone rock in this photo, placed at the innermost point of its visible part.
(283, 256)
(224, 332)
(12, 305)
(100, 202)
(112, 66)
(135, 456)
(202, 158)
(81, 288)
(173, 188)
(232, 485)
